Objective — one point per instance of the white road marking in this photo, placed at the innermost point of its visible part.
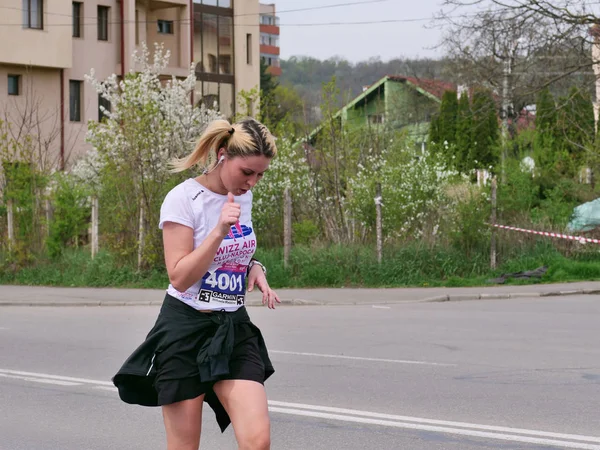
(55, 377)
(562, 440)
(463, 432)
(361, 358)
(40, 380)
(107, 388)
(357, 412)
(380, 307)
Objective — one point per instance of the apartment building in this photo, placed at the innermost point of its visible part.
(55, 43)
(269, 38)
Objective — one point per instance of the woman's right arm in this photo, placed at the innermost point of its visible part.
(186, 265)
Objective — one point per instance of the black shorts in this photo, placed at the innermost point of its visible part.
(245, 362)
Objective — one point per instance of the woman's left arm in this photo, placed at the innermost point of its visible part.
(258, 278)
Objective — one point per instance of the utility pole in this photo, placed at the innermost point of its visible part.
(595, 32)
(507, 106)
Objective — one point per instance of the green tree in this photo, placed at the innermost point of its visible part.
(268, 82)
(434, 131)
(486, 132)
(464, 133)
(546, 137)
(448, 116)
(575, 131)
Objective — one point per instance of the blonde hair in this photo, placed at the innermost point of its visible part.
(247, 137)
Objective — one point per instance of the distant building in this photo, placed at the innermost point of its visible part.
(55, 43)
(226, 51)
(269, 38)
(400, 102)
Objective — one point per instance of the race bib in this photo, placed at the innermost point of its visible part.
(226, 285)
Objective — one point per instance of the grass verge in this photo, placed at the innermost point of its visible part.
(335, 266)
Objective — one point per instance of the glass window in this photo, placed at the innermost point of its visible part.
(33, 14)
(165, 26)
(210, 94)
(77, 7)
(75, 100)
(13, 84)
(225, 45)
(249, 48)
(210, 46)
(103, 23)
(226, 99)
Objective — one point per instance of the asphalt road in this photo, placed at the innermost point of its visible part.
(490, 374)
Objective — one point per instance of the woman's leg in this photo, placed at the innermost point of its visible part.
(183, 422)
(246, 403)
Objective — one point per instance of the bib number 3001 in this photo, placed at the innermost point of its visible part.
(223, 286)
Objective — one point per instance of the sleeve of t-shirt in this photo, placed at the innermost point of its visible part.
(176, 207)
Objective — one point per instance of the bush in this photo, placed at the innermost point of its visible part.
(71, 216)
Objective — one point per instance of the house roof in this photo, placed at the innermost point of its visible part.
(433, 89)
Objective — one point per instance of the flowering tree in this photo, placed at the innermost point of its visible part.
(149, 122)
(413, 189)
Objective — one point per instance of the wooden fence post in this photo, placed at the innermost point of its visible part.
(11, 225)
(493, 223)
(141, 236)
(379, 224)
(287, 227)
(94, 226)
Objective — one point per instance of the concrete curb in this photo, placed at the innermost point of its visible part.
(257, 302)
(468, 297)
(96, 303)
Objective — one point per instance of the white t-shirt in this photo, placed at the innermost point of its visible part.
(223, 287)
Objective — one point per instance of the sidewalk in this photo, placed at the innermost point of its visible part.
(53, 296)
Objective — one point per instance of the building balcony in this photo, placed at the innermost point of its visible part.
(271, 29)
(269, 49)
(275, 71)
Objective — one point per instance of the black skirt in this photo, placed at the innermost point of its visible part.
(187, 352)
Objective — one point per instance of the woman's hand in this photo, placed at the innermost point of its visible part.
(230, 214)
(257, 278)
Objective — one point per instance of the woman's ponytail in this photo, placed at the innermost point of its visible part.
(214, 135)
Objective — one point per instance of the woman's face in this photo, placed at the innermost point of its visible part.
(240, 174)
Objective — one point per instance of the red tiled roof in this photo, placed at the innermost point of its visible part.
(434, 87)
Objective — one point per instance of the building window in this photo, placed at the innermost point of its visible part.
(102, 103)
(376, 119)
(219, 3)
(33, 14)
(215, 71)
(269, 39)
(249, 48)
(165, 26)
(103, 23)
(77, 7)
(225, 64)
(270, 60)
(13, 84)
(75, 100)
(137, 27)
(269, 20)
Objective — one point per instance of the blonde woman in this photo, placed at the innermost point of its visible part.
(203, 346)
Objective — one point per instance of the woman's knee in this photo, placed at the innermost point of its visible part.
(257, 438)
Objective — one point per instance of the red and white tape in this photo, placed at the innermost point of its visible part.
(580, 239)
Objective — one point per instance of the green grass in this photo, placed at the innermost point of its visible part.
(335, 266)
